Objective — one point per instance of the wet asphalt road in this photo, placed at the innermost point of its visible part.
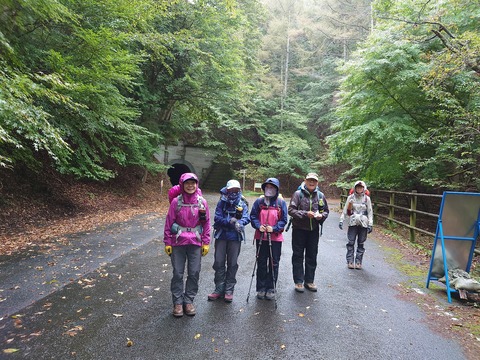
(84, 300)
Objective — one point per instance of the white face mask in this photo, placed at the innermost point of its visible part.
(269, 192)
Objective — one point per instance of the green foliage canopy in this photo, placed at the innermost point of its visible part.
(408, 112)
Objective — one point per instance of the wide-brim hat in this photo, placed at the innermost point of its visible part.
(233, 184)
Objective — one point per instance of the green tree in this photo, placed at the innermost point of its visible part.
(408, 111)
(71, 66)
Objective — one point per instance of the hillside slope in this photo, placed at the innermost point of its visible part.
(37, 208)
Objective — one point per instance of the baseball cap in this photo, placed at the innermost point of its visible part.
(311, 176)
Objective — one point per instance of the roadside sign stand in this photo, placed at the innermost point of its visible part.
(458, 228)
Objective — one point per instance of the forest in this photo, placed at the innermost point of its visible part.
(385, 90)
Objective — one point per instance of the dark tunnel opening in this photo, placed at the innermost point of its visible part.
(175, 171)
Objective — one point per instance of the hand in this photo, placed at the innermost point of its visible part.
(269, 229)
(233, 220)
(238, 227)
(369, 229)
(262, 228)
(168, 250)
(310, 214)
(340, 225)
(205, 249)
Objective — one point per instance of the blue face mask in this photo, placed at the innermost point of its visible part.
(232, 197)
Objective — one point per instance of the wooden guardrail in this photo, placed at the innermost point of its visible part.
(410, 206)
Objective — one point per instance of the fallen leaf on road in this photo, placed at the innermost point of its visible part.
(197, 336)
(129, 342)
(10, 351)
(118, 315)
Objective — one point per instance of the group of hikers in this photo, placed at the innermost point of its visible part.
(187, 235)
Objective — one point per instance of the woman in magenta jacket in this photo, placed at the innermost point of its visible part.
(187, 239)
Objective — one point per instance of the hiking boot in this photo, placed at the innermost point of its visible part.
(311, 287)
(178, 310)
(261, 295)
(299, 288)
(358, 266)
(190, 310)
(214, 296)
(270, 295)
(351, 266)
(228, 297)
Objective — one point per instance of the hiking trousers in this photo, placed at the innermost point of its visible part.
(265, 278)
(358, 234)
(304, 247)
(192, 255)
(226, 265)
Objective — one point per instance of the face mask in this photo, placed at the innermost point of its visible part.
(232, 197)
(270, 192)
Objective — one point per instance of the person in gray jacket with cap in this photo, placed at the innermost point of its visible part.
(358, 207)
(308, 209)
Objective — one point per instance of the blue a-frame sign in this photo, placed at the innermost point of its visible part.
(458, 228)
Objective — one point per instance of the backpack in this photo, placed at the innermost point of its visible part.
(181, 204)
(367, 192)
(349, 206)
(242, 203)
(176, 190)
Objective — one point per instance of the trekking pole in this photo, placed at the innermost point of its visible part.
(254, 267)
(289, 224)
(269, 238)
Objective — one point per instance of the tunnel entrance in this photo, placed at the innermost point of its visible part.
(175, 171)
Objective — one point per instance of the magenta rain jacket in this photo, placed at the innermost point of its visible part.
(187, 217)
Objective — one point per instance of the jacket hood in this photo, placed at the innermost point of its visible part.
(359, 182)
(188, 198)
(272, 181)
(187, 176)
(303, 187)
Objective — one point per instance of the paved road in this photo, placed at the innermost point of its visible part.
(113, 284)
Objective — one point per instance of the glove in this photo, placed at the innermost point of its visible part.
(168, 250)
(233, 220)
(238, 227)
(340, 225)
(369, 229)
(205, 249)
